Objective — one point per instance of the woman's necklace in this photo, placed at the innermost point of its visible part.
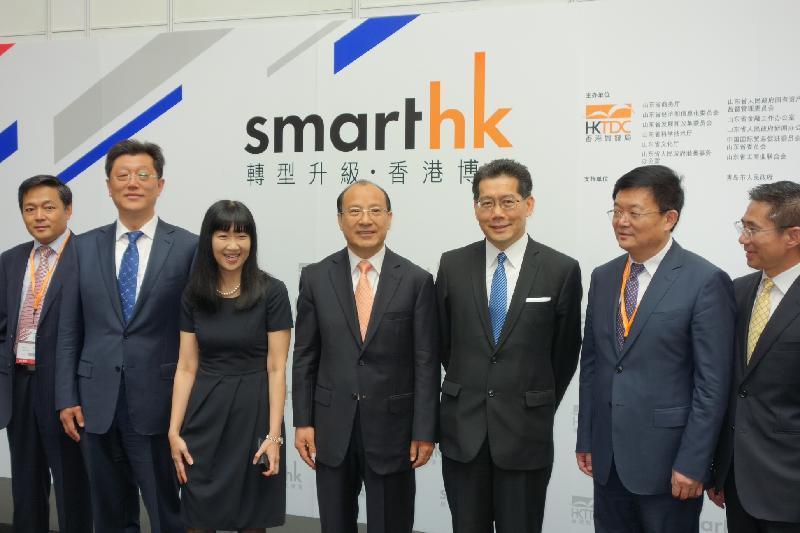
(230, 292)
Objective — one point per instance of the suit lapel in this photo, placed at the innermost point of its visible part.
(527, 274)
(162, 243)
(664, 277)
(16, 276)
(744, 312)
(342, 283)
(390, 276)
(66, 261)
(613, 302)
(784, 314)
(106, 249)
(479, 289)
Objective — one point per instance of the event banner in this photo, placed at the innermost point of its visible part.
(283, 117)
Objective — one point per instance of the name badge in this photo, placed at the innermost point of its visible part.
(26, 347)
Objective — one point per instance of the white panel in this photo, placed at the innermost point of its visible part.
(255, 22)
(196, 10)
(134, 30)
(68, 15)
(107, 14)
(20, 17)
(449, 5)
(67, 35)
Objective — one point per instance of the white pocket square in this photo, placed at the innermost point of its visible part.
(537, 299)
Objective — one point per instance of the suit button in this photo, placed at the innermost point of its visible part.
(733, 427)
(355, 396)
(117, 368)
(491, 393)
(125, 336)
(361, 362)
(619, 369)
(493, 360)
(743, 393)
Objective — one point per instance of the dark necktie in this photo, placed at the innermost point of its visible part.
(631, 292)
(498, 297)
(128, 271)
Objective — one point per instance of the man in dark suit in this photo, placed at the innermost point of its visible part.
(119, 346)
(757, 465)
(365, 375)
(655, 366)
(32, 278)
(509, 310)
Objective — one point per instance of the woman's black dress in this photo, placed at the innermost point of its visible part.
(228, 411)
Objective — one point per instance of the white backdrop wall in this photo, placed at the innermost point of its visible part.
(592, 90)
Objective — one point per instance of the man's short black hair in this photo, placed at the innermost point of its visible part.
(45, 180)
(662, 182)
(134, 147)
(783, 198)
(504, 167)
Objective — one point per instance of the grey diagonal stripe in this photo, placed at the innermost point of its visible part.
(128, 83)
(302, 47)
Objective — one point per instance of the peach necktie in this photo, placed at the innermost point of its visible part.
(363, 297)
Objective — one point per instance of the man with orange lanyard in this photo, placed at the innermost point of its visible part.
(31, 278)
(655, 366)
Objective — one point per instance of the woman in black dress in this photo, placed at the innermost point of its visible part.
(230, 386)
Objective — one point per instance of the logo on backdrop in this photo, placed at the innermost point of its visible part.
(582, 510)
(608, 122)
(471, 127)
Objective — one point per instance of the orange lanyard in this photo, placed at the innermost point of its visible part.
(39, 296)
(627, 323)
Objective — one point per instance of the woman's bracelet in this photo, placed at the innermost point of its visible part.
(277, 440)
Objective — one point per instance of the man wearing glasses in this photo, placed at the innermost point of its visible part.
(757, 465)
(655, 366)
(510, 313)
(365, 372)
(118, 346)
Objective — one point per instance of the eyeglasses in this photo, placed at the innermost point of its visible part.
(372, 212)
(507, 203)
(633, 216)
(749, 232)
(141, 175)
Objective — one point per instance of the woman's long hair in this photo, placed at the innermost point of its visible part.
(221, 216)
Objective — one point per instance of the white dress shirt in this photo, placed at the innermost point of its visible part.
(650, 267)
(373, 274)
(512, 265)
(144, 244)
(783, 282)
(26, 280)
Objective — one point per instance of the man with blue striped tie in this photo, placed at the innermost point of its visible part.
(118, 347)
(510, 320)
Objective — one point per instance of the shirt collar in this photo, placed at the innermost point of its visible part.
(651, 265)
(376, 260)
(149, 229)
(55, 245)
(784, 280)
(514, 253)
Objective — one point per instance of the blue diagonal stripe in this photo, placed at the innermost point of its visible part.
(9, 142)
(125, 132)
(365, 37)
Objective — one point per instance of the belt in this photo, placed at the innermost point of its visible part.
(28, 369)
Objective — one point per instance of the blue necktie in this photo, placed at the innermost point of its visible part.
(498, 297)
(128, 270)
(631, 294)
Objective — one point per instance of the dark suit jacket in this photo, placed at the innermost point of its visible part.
(13, 269)
(95, 344)
(657, 404)
(509, 391)
(393, 376)
(761, 435)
